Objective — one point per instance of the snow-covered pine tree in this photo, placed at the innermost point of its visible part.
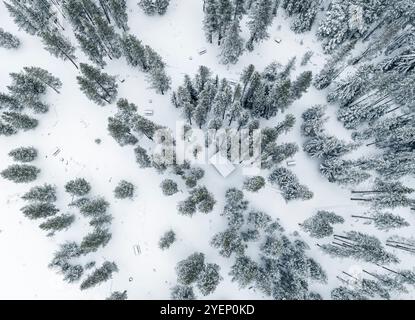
(98, 86)
(334, 28)
(259, 220)
(20, 173)
(288, 182)
(57, 223)
(325, 146)
(211, 19)
(169, 187)
(342, 171)
(31, 16)
(238, 9)
(8, 41)
(102, 274)
(304, 20)
(228, 242)
(15, 121)
(359, 246)
(117, 295)
(78, 187)
(148, 6)
(39, 210)
(180, 292)
(144, 126)
(254, 184)
(121, 132)
(189, 269)
(384, 220)
(24, 154)
(260, 19)
(59, 46)
(142, 157)
(232, 45)
(45, 77)
(320, 224)
(301, 84)
(44, 193)
(124, 190)
(95, 239)
(168, 238)
(385, 194)
(94, 208)
(235, 206)
(159, 80)
(117, 9)
(134, 51)
(244, 271)
(313, 121)
(209, 279)
(28, 91)
(161, 6)
(224, 13)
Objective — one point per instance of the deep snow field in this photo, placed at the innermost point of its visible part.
(73, 124)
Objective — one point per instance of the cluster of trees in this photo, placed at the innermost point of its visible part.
(42, 206)
(25, 92)
(195, 271)
(68, 259)
(95, 25)
(359, 246)
(385, 194)
(304, 13)
(375, 98)
(152, 7)
(92, 26)
(283, 270)
(273, 153)
(21, 173)
(349, 21)
(329, 149)
(199, 199)
(94, 209)
(374, 285)
(223, 17)
(147, 60)
(190, 175)
(8, 40)
(209, 102)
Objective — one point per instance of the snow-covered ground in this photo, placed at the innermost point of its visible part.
(74, 122)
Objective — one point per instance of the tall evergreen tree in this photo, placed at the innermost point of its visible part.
(260, 19)
(102, 274)
(97, 86)
(59, 46)
(232, 46)
(134, 51)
